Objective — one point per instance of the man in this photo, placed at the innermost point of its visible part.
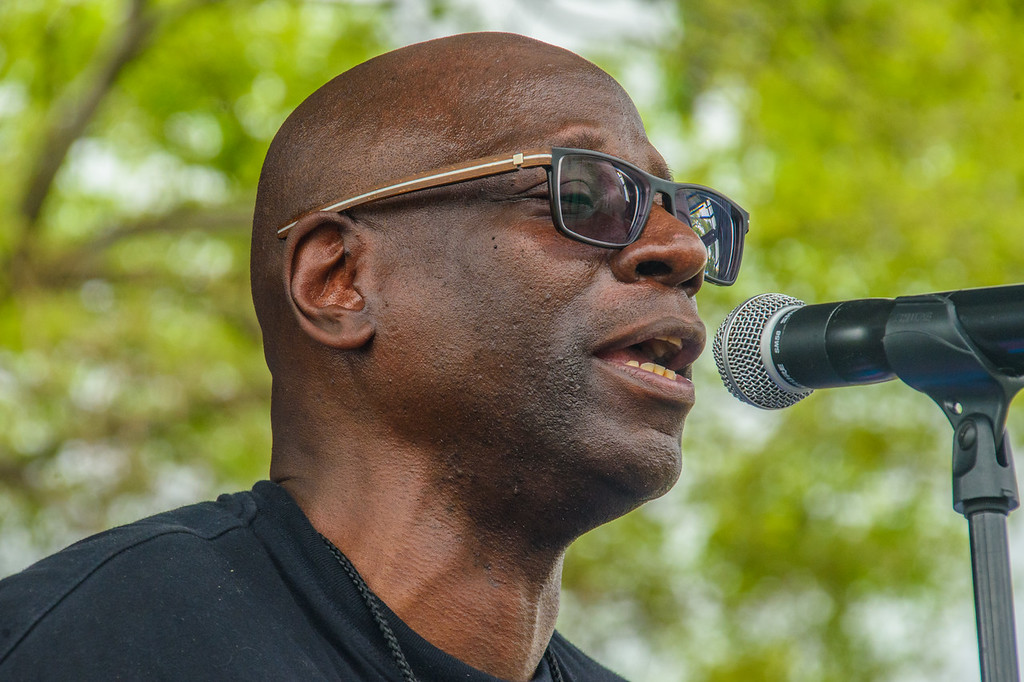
(468, 374)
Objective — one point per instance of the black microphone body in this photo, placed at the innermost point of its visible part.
(803, 347)
(832, 344)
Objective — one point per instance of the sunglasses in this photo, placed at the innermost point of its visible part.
(598, 199)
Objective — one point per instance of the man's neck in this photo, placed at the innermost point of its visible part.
(489, 601)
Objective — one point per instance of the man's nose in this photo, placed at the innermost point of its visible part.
(668, 251)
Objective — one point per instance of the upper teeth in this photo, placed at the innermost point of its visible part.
(653, 367)
(662, 347)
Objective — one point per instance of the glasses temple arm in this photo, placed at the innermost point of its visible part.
(478, 168)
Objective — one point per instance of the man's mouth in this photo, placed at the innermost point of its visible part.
(659, 352)
(664, 355)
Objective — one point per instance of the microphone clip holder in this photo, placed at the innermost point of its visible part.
(928, 349)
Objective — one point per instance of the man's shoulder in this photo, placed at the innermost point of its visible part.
(96, 582)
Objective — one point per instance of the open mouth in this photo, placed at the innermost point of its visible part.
(664, 355)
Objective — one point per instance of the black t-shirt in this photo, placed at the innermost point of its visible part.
(240, 588)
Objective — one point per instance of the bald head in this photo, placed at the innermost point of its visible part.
(407, 111)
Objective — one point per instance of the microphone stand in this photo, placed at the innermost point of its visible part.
(928, 349)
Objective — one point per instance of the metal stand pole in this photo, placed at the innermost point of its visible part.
(985, 491)
(993, 597)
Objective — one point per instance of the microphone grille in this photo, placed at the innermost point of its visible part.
(737, 351)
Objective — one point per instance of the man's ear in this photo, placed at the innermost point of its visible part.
(321, 269)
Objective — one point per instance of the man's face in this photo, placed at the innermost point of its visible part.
(504, 345)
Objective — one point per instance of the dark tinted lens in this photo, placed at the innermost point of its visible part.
(715, 222)
(598, 201)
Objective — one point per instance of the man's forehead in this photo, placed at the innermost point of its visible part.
(520, 94)
(581, 108)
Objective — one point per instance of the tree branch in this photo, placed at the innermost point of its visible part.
(79, 264)
(76, 112)
(178, 220)
(73, 116)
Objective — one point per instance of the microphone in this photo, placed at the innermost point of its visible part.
(773, 350)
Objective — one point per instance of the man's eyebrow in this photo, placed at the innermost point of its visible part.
(659, 168)
(581, 139)
(586, 139)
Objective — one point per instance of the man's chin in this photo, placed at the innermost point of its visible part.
(635, 475)
(653, 474)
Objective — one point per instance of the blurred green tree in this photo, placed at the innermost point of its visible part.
(131, 371)
(874, 143)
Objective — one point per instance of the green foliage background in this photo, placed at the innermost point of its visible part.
(875, 143)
